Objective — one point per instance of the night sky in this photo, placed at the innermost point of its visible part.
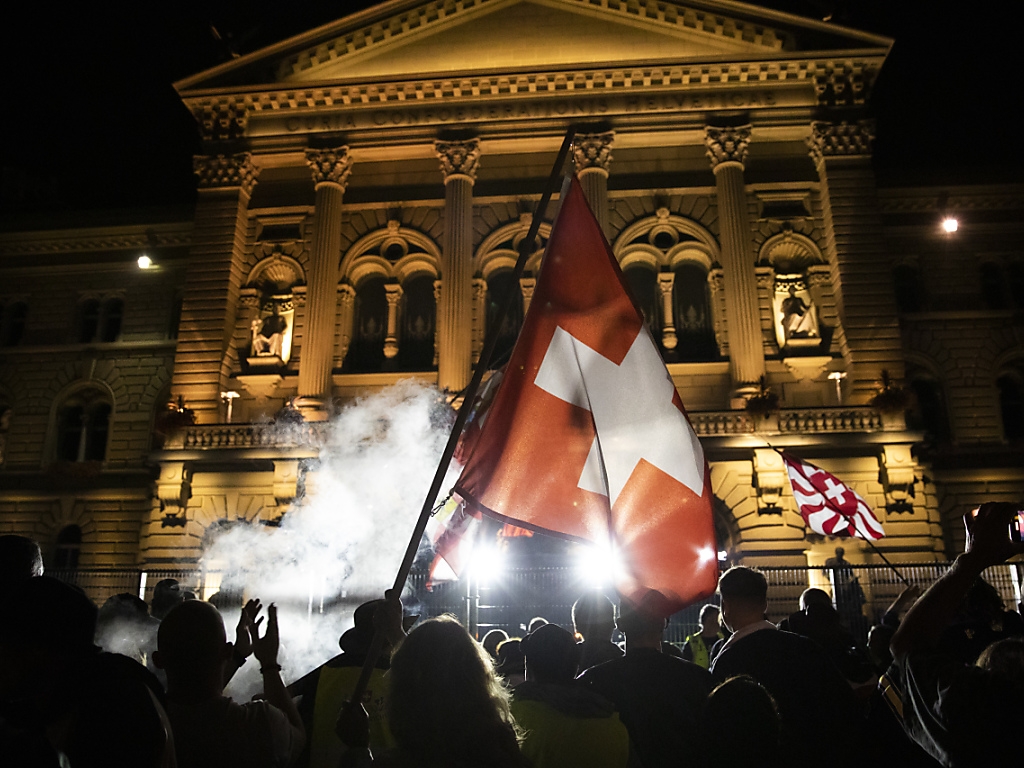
(91, 121)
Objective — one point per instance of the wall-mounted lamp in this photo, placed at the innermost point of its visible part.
(145, 262)
(837, 377)
(229, 398)
(950, 224)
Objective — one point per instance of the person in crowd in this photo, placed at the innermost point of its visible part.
(511, 663)
(742, 722)
(209, 728)
(536, 623)
(980, 621)
(593, 618)
(492, 640)
(65, 702)
(446, 707)
(849, 597)
(166, 595)
(811, 694)
(124, 626)
(880, 635)
(566, 724)
(323, 691)
(963, 714)
(20, 559)
(819, 621)
(659, 698)
(697, 647)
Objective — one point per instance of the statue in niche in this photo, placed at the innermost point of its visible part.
(271, 333)
(796, 317)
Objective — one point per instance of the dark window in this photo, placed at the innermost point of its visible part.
(69, 546)
(416, 344)
(1011, 405)
(83, 425)
(927, 410)
(113, 311)
(643, 285)
(499, 286)
(88, 320)
(992, 286)
(172, 329)
(1015, 281)
(366, 351)
(907, 284)
(691, 302)
(12, 323)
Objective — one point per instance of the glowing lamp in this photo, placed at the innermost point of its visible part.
(145, 262)
(950, 225)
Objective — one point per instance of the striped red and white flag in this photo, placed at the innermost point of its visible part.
(828, 505)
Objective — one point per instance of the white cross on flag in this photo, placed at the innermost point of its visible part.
(587, 438)
(828, 505)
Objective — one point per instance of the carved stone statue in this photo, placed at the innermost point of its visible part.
(268, 334)
(797, 317)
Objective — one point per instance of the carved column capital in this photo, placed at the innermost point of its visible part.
(726, 144)
(347, 294)
(458, 158)
(225, 121)
(840, 139)
(330, 165)
(222, 171)
(593, 151)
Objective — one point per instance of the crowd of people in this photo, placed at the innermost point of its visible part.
(941, 685)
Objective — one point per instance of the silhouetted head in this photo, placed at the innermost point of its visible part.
(191, 642)
(879, 638)
(46, 613)
(742, 721)
(124, 606)
(166, 595)
(535, 623)
(593, 616)
(744, 594)
(552, 655)
(710, 618)
(1005, 660)
(643, 622)
(510, 659)
(840, 552)
(814, 596)
(20, 559)
(492, 640)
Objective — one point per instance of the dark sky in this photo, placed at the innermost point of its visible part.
(91, 121)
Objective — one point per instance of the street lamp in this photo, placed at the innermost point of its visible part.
(229, 398)
(837, 377)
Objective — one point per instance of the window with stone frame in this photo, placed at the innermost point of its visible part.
(68, 548)
(691, 309)
(83, 426)
(993, 288)
(418, 313)
(99, 320)
(908, 288)
(500, 284)
(369, 327)
(927, 408)
(643, 285)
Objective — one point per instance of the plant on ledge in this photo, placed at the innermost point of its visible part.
(889, 396)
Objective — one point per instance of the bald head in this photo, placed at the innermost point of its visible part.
(192, 636)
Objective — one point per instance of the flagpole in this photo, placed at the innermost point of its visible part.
(886, 561)
(469, 394)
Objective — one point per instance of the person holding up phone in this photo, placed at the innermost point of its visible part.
(961, 714)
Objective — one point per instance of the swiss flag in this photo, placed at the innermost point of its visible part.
(587, 437)
(827, 504)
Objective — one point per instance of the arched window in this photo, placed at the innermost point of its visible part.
(643, 284)
(691, 304)
(83, 424)
(992, 292)
(366, 352)
(416, 343)
(927, 411)
(499, 285)
(1011, 404)
(68, 548)
(907, 285)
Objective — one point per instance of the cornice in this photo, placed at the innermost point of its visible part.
(934, 199)
(99, 239)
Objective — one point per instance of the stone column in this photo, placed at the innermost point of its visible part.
(459, 160)
(393, 294)
(331, 169)
(868, 335)
(479, 317)
(592, 154)
(727, 151)
(213, 282)
(666, 281)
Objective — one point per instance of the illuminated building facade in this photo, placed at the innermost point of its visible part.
(363, 194)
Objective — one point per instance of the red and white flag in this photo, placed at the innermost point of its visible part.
(827, 504)
(453, 532)
(587, 438)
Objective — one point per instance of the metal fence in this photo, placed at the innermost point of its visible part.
(519, 594)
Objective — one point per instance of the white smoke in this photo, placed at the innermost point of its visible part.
(346, 536)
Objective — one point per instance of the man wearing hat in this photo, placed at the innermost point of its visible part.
(326, 688)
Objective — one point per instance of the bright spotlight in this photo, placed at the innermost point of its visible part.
(707, 555)
(950, 225)
(599, 565)
(145, 262)
(487, 564)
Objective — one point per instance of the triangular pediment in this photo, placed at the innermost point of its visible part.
(402, 39)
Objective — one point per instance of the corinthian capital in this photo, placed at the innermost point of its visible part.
(330, 165)
(593, 150)
(726, 145)
(458, 158)
(840, 139)
(222, 171)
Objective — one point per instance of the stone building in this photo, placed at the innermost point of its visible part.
(363, 195)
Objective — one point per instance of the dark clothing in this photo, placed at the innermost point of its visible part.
(962, 715)
(821, 718)
(594, 652)
(821, 624)
(660, 701)
(965, 640)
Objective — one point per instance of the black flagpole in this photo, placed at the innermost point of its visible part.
(886, 561)
(467, 402)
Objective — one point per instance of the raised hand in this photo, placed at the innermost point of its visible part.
(265, 648)
(243, 640)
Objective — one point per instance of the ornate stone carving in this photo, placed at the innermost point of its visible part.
(769, 479)
(458, 158)
(222, 121)
(330, 165)
(843, 86)
(726, 145)
(593, 150)
(222, 171)
(898, 478)
(840, 139)
(393, 295)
